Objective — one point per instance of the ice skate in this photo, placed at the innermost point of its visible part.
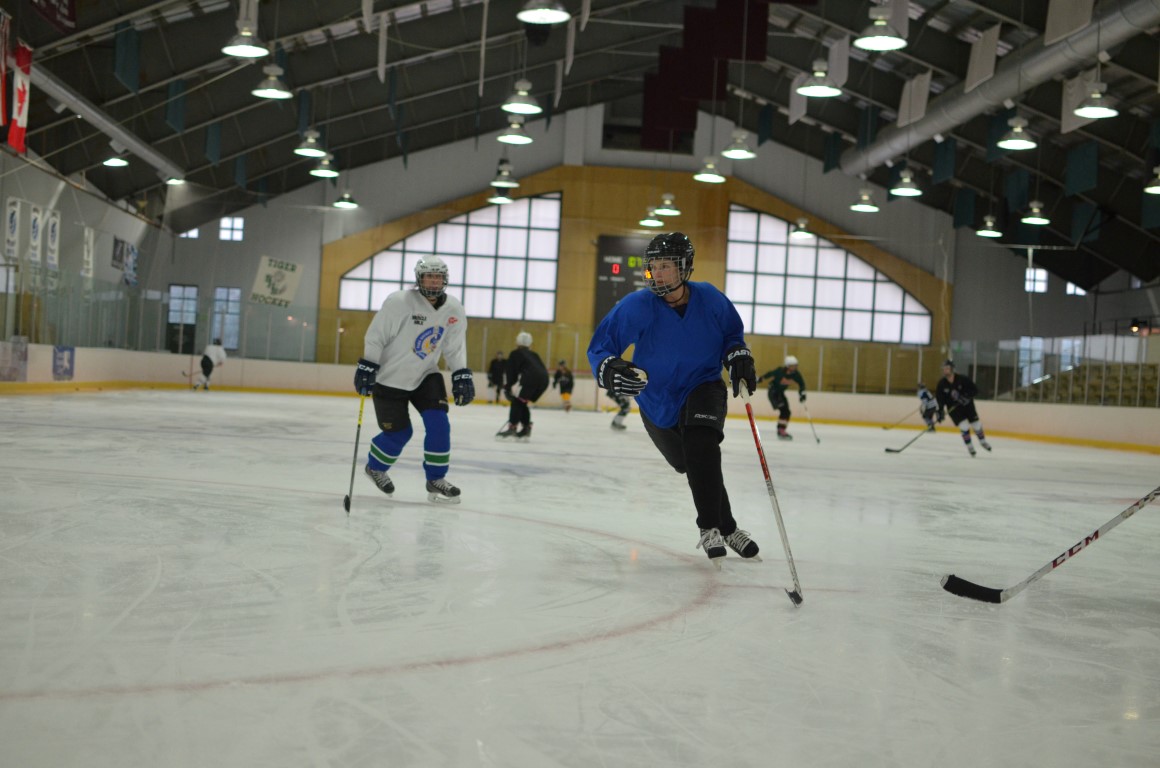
(784, 436)
(509, 430)
(985, 444)
(971, 449)
(379, 478)
(524, 434)
(618, 426)
(740, 543)
(713, 545)
(442, 491)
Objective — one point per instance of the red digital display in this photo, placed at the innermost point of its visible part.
(616, 269)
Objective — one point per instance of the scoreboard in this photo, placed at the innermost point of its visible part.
(619, 264)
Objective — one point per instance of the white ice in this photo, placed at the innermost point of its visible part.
(180, 586)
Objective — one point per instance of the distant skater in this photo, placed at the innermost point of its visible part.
(779, 380)
(927, 406)
(213, 356)
(956, 395)
(564, 380)
(525, 381)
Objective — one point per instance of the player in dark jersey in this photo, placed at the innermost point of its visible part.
(565, 381)
(526, 379)
(956, 395)
(927, 406)
(779, 381)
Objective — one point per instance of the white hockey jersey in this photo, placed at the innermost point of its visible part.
(216, 354)
(408, 335)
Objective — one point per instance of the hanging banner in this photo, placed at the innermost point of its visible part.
(62, 14)
(11, 230)
(52, 240)
(87, 253)
(276, 282)
(21, 83)
(34, 239)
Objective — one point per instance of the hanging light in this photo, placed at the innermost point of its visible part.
(1017, 138)
(906, 186)
(880, 35)
(499, 197)
(819, 85)
(515, 133)
(1153, 187)
(864, 203)
(325, 168)
(116, 161)
(1096, 106)
(1035, 215)
(668, 206)
(709, 173)
(272, 86)
(245, 44)
(346, 202)
(522, 102)
(543, 12)
(503, 176)
(174, 181)
(739, 149)
(989, 229)
(800, 230)
(650, 219)
(310, 146)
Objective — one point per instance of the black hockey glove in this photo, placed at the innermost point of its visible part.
(364, 376)
(739, 361)
(618, 376)
(801, 397)
(462, 386)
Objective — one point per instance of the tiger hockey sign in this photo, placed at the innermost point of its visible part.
(276, 282)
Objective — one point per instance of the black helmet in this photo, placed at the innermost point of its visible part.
(674, 246)
(949, 364)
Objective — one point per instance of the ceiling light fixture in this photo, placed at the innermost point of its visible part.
(880, 35)
(739, 148)
(989, 229)
(1017, 138)
(668, 206)
(345, 201)
(543, 12)
(173, 181)
(709, 173)
(272, 85)
(514, 133)
(1153, 186)
(310, 146)
(116, 161)
(325, 168)
(864, 203)
(500, 196)
(504, 177)
(906, 186)
(650, 219)
(522, 102)
(1035, 215)
(1096, 106)
(245, 44)
(819, 85)
(800, 230)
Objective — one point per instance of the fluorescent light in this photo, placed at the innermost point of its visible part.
(864, 203)
(819, 85)
(1017, 138)
(1035, 215)
(522, 102)
(709, 173)
(272, 86)
(739, 149)
(515, 133)
(650, 219)
(880, 36)
(310, 146)
(989, 229)
(668, 206)
(906, 186)
(1096, 106)
(543, 12)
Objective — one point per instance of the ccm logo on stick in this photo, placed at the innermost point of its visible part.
(1074, 550)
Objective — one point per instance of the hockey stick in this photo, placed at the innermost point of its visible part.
(362, 400)
(903, 448)
(811, 421)
(964, 588)
(904, 418)
(796, 594)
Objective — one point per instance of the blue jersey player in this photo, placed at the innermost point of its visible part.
(683, 332)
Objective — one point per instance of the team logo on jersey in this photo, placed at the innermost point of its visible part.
(419, 319)
(452, 320)
(427, 342)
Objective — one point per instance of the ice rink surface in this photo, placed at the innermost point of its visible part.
(180, 586)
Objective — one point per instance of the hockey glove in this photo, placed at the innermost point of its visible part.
(364, 376)
(462, 386)
(801, 397)
(618, 376)
(739, 361)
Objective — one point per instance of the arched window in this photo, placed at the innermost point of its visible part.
(813, 288)
(501, 261)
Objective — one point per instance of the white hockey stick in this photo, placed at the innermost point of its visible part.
(964, 588)
(796, 594)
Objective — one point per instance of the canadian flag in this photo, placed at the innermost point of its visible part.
(21, 83)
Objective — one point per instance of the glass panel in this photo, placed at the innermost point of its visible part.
(771, 259)
(354, 294)
(767, 320)
(486, 215)
(746, 312)
(798, 322)
(546, 213)
(543, 244)
(540, 306)
(387, 266)
(859, 295)
(915, 329)
(828, 323)
(509, 304)
(739, 287)
(515, 213)
(831, 263)
(831, 294)
(450, 238)
(422, 242)
(509, 273)
(542, 275)
(460, 219)
(770, 290)
(773, 230)
(857, 268)
(913, 305)
(888, 296)
(455, 269)
(480, 271)
(740, 257)
(743, 226)
(857, 326)
(481, 241)
(887, 327)
(513, 242)
(802, 260)
(799, 290)
(477, 301)
(380, 292)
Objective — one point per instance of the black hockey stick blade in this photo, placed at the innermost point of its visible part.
(970, 590)
(795, 596)
(346, 504)
(894, 450)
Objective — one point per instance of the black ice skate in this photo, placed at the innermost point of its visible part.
(713, 544)
(618, 425)
(740, 543)
(985, 444)
(971, 448)
(442, 491)
(524, 434)
(379, 477)
(509, 430)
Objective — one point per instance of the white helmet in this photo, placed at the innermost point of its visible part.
(523, 339)
(431, 265)
(790, 360)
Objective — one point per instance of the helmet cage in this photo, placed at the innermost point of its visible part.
(674, 247)
(430, 266)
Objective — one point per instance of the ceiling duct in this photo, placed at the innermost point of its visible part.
(1018, 72)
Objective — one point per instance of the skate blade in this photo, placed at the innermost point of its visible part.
(439, 498)
(717, 562)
